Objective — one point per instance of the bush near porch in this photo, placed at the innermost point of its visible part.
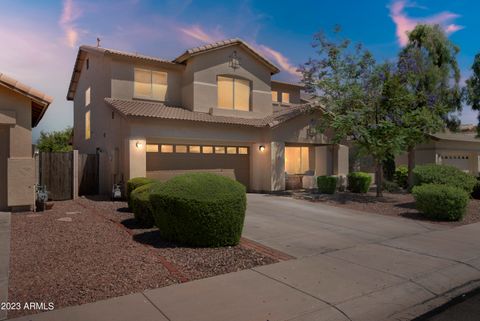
(359, 182)
(134, 183)
(441, 202)
(141, 206)
(327, 184)
(443, 175)
(200, 209)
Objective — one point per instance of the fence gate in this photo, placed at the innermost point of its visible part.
(88, 177)
(56, 173)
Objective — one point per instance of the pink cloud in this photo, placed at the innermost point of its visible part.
(70, 14)
(405, 24)
(197, 33)
(279, 58)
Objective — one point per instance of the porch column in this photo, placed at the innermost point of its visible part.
(340, 160)
(277, 166)
(137, 157)
(323, 160)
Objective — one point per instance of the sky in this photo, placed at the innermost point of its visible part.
(40, 39)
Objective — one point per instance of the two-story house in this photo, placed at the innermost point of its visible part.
(214, 107)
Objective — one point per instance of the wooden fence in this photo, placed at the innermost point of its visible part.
(69, 174)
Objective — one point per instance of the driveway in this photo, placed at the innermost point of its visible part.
(301, 228)
(349, 266)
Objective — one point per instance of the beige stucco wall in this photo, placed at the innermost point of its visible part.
(203, 70)
(293, 91)
(435, 151)
(122, 73)
(16, 150)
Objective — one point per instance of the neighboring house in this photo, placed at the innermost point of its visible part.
(214, 108)
(21, 109)
(461, 150)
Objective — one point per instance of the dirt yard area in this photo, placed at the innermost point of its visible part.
(391, 204)
(89, 249)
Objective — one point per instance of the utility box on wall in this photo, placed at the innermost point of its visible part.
(21, 180)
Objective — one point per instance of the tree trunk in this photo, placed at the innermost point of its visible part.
(411, 165)
(379, 179)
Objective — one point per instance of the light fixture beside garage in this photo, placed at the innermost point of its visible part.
(139, 145)
(261, 148)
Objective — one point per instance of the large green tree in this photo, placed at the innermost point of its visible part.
(428, 69)
(56, 141)
(472, 90)
(363, 99)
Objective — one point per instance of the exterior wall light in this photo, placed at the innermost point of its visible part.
(139, 145)
(261, 148)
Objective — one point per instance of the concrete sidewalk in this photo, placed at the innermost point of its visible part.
(4, 259)
(381, 269)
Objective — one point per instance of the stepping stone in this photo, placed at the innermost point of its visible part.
(65, 219)
(72, 213)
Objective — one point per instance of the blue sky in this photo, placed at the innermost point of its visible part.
(40, 39)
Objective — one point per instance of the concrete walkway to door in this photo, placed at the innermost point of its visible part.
(349, 266)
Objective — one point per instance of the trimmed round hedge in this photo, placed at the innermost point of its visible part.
(134, 183)
(200, 209)
(359, 182)
(441, 202)
(443, 175)
(327, 184)
(140, 200)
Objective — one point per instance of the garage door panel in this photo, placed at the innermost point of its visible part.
(190, 161)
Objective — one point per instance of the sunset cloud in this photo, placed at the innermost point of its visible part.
(405, 24)
(70, 14)
(279, 58)
(198, 33)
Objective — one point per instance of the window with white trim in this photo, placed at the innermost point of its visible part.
(87, 96)
(150, 84)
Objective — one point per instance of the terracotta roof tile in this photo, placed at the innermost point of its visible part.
(225, 43)
(139, 108)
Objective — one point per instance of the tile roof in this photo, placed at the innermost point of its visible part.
(114, 52)
(139, 108)
(40, 101)
(288, 83)
(456, 137)
(222, 44)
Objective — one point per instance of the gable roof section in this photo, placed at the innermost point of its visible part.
(223, 44)
(40, 101)
(158, 110)
(84, 50)
(458, 137)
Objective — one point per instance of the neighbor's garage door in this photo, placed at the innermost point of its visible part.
(191, 157)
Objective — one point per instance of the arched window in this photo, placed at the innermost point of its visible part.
(233, 93)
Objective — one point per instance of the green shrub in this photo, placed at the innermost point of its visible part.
(200, 209)
(441, 202)
(401, 176)
(133, 183)
(391, 187)
(140, 200)
(327, 184)
(443, 175)
(476, 189)
(359, 182)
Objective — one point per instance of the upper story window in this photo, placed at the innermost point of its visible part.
(286, 98)
(233, 93)
(87, 96)
(87, 125)
(150, 84)
(275, 96)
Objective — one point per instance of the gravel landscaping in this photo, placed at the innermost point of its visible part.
(391, 204)
(90, 249)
